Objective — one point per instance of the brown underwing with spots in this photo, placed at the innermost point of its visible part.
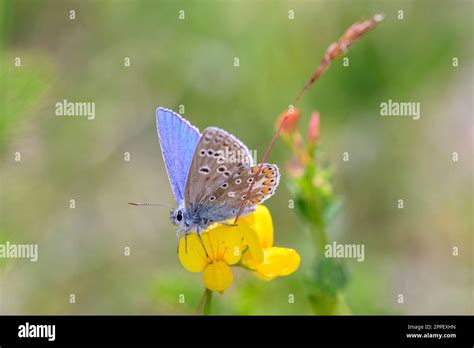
(215, 180)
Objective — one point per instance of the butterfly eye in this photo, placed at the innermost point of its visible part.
(179, 216)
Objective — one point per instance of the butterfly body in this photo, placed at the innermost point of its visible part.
(209, 185)
(198, 218)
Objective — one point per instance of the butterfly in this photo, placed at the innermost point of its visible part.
(210, 174)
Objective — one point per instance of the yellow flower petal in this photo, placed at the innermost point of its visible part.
(217, 276)
(224, 243)
(278, 262)
(254, 254)
(221, 243)
(257, 229)
(261, 222)
(191, 253)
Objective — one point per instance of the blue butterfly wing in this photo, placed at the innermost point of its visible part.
(178, 140)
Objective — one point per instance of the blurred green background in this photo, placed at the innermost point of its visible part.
(190, 62)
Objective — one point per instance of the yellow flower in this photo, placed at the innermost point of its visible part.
(276, 261)
(250, 242)
(225, 245)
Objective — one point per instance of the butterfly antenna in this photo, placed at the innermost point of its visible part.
(152, 204)
(264, 159)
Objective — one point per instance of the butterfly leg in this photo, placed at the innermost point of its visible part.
(230, 225)
(202, 242)
(178, 234)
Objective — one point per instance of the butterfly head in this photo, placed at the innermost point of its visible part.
(189, 220)
(177, 218)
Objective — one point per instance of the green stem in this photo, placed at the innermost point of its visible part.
(204, 306)
(208, 303)
(343, 307)
(319, 234)
(322, 237)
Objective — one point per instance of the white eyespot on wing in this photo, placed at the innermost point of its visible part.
(219, 137)
(205, 170)
(220, 179)
(265, 183)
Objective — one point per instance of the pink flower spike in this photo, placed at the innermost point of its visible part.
(313, 129)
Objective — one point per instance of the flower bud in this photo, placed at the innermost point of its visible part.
(288, 120)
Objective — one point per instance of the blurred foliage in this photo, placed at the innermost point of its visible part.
(330, 276)
(21, 90)
(190, 62)
(310, 183)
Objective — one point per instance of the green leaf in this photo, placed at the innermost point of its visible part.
(330, 276)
